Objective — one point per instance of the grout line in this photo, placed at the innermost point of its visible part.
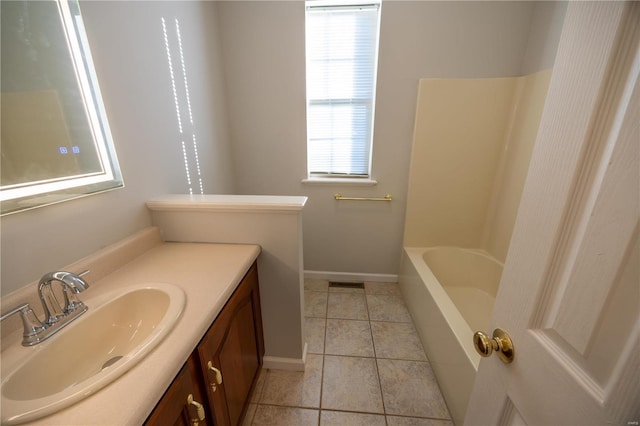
(425, 361)
(354, 412)
(375, 358)
(324, 350)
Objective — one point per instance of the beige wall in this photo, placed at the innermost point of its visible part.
(544, 35)
(245, 62)
(471, 151)
(128, 50)
(263, 55)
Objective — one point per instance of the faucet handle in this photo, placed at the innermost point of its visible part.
(32, 327)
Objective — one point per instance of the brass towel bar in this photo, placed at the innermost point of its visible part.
(339, 197)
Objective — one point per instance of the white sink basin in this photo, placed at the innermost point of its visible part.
(94, 350)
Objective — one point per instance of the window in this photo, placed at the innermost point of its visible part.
(342, 57)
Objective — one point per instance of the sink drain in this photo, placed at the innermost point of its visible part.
(111, 361)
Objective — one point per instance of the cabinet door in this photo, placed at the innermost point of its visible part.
(234, 346)
(183, 404)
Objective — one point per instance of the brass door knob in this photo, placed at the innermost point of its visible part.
(501, 343)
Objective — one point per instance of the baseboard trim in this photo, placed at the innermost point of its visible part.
(350, 276)
(281, 363)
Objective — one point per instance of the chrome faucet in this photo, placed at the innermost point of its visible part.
(72, 284)
(55, 316)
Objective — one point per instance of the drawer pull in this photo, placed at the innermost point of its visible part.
(199, 408)
(216, 371)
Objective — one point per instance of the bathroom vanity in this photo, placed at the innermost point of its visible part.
(215, 383)
(220, 323)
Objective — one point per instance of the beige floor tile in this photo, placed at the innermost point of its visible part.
(248, 416)
(314, 284)
(387, 308)
(257, 390)
(315, 304)
(295, 388)
(342, 418)
(314, 334)
(269, 415)
(391, 289)
(347, 306)
(397, 340)
(348, 337)
(415, 421)
(351, 383)
(409, 388)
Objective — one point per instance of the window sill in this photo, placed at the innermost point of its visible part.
(339, 182)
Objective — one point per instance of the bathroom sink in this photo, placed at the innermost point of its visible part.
(90, 353)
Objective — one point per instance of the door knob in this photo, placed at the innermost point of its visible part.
(501, 343)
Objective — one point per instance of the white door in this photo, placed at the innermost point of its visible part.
(570, 292)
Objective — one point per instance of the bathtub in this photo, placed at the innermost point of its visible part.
(450, 293)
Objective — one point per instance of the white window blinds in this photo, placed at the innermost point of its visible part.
(341, 52)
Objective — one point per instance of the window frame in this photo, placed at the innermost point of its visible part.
(332, 175)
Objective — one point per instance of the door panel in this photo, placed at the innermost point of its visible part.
(174, 409)
(570, 293)
(238, 355)
(234, 346)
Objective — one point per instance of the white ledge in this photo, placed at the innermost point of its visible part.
(339, 181)
(237, 203)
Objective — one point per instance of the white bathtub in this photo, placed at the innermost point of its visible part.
(450, 293)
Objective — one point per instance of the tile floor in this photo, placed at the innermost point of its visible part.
(365, 366)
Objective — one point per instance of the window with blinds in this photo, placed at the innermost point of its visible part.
(342, 57)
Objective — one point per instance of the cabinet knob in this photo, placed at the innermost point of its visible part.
(199, 409)
(217, 372)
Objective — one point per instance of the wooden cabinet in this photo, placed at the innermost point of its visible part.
(183, 403)
(235, 348)
(224, 367)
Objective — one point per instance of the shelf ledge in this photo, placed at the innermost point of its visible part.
(217, 202)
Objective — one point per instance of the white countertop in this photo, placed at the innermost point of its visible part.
(208, 274)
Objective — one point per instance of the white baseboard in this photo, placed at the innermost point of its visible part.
(290, 364)
(350, 276)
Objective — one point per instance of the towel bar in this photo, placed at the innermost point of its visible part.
(339, 197)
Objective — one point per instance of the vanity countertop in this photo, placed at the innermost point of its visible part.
(208, 274)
